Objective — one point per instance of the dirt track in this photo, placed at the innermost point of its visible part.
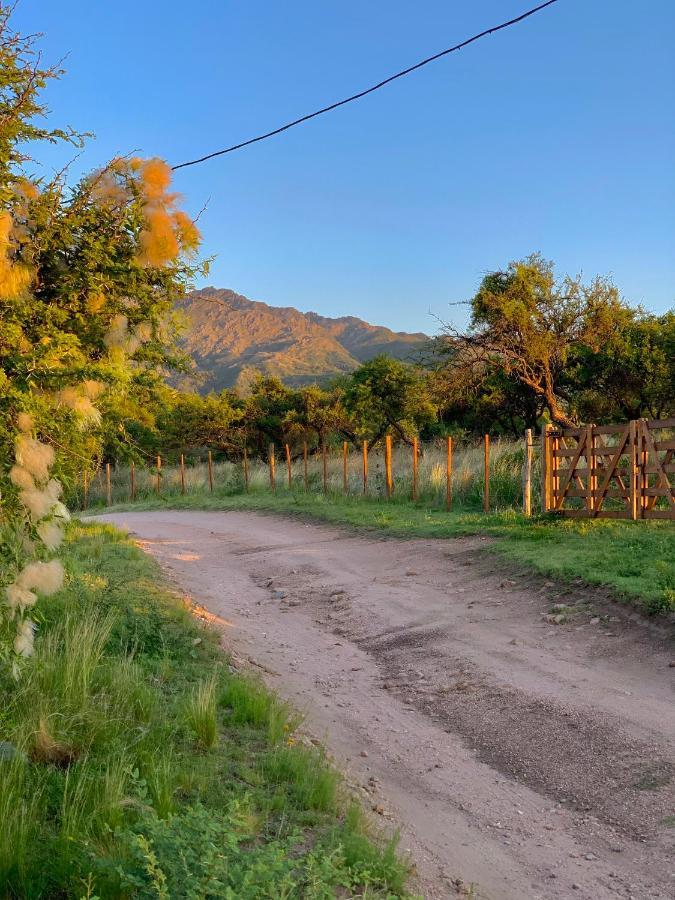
(532, 758)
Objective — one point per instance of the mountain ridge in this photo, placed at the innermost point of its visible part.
(229, 336)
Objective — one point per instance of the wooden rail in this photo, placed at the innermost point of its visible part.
(610, 471)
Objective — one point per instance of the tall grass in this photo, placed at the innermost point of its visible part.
(468, 483)
(200, 712)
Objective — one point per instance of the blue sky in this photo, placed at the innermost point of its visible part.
(557, 135)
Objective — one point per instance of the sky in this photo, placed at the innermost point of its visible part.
(556, 135)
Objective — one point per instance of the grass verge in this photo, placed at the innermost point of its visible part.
(635, 559)
(135, 762)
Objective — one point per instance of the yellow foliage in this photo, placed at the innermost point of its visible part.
(159, 244)
(188, 233)
(92, 388)
(95, 302)
(14, 276)
(155, 177)
(25, 422)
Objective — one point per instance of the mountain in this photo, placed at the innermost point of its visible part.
(229, 336)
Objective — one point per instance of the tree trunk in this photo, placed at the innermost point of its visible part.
(557, 415)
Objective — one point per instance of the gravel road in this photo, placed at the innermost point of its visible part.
(522, 747)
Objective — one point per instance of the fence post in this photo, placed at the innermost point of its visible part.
(527, 474)
(345, 454)
(85, 490)
(643, 463)
(305, 467)
(182, 473)
(132, 480)
(414, 472)
(159, 473)
(545, 469)
(288, 466)
(365, 467)
(486, 468)
(633, 469)
(246, 470)
(448, 475)
(108, 486)
(210, 472)
(591, 482)
(389, 480)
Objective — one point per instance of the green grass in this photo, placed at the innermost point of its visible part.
(137, 763)
(635, 559)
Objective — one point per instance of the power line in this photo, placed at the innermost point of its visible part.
(370, 90)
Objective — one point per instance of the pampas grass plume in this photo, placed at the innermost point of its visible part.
(25, 422)
(34, 456)
(23, 644)
(19, 597)
(44, 578)
(21, 478)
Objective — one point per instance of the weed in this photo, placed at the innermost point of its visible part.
(200, 712)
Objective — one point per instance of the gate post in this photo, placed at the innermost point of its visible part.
(546, 465)
(527, 474)
(633, 469)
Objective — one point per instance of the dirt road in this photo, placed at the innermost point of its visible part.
(530, 757)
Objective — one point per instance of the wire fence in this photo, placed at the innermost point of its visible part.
(495, 474)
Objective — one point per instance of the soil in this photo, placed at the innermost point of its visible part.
(518, 732)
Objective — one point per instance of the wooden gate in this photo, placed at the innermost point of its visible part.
(610, 471)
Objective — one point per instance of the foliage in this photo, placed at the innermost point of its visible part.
(631, 376)
(562, 340)
(111, 793)
(386, 395)
(89, 275)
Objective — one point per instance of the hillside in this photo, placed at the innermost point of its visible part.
(230, 335)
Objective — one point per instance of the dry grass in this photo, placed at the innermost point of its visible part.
(506, 462)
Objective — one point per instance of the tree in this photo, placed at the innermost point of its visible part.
(527, 325)
(385, 396)
(88, 278)
(190, 422)
(317, 413)
(266, 407)
(632, 376)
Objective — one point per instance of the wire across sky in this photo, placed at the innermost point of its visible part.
(369, 90)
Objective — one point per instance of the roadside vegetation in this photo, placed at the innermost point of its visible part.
(136, 762)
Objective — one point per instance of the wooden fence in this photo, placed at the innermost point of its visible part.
(610, 471)
(596, 471)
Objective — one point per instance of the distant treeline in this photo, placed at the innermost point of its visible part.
(535, 350)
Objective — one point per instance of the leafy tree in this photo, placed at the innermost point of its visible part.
(481, 400)
(316, 415)
(191, 422)
(88, 277)
(527, 325)
(387, 396)
(631, 376)
(266, 408)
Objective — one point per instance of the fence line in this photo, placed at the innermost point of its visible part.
(618, 471)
